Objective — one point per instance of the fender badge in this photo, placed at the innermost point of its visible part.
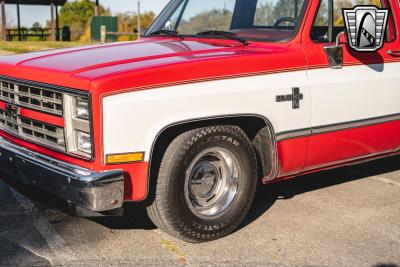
(295, 98)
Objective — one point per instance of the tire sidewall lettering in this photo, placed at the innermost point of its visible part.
(225, 138)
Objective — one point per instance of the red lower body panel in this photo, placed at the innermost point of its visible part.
(136, 180)
(337, 148)
(292, 155)
(344, 145)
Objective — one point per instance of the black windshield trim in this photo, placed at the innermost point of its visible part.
(178, 21)
(166, 33)
(226, 34)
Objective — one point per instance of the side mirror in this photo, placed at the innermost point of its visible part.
(335, 53)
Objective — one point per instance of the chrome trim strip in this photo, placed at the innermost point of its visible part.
(22, 96)
(336, 127)
(355, 124)
(354, 161)
(293, 134)
(45, 86)
(345, 162)
(21, 123)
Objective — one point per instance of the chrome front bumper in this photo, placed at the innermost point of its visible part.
(91, 190)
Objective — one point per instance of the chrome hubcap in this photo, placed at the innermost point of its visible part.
(212, 182)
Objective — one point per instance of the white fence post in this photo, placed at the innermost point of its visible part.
(103, 34)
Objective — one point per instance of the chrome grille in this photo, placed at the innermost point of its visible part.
(39, 132)
(33, 97)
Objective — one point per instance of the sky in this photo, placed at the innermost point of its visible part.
(31, 14)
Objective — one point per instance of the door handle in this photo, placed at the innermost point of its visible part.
(393, 53)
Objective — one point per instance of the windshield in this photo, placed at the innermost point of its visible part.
(268, 20)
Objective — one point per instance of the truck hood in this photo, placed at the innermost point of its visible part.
(76, 67)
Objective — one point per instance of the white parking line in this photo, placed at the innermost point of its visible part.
(62, 254)
(385, 180)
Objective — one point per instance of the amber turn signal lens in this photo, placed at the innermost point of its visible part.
(125, 158)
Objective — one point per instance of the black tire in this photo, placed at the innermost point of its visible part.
(170, 211)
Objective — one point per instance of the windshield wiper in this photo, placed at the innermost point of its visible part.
(225, 34)
(168, 33)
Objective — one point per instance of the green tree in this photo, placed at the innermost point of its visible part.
(215, 19)
(264, 14)
(269, 11)
(77, 16)
(127, 22)
(36, 25)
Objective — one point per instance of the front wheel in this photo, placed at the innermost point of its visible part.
(206, 184)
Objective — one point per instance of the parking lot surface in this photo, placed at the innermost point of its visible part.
(344, 217)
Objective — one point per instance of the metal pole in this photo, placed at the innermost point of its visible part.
(57, 25)
(52, 24)
(19, 23)
(330, 21)
(97, 9)
(3, 21)
(138, 26)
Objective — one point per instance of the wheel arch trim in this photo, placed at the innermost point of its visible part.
(273, 140)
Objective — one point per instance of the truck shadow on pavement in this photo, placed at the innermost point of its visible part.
(267, 195)
(135, 217)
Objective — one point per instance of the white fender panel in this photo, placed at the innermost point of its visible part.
(132, 121)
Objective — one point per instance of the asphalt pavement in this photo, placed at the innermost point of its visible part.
(344, 217)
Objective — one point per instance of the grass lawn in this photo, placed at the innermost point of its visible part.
(23, 47)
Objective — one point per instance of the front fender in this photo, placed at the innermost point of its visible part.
(132, 120)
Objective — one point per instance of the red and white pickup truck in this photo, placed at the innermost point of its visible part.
(218, 96)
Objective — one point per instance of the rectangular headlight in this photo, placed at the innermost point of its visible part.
(78, 132)
(82, 108)
(84, 142)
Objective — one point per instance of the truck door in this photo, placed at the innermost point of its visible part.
(355, 109)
